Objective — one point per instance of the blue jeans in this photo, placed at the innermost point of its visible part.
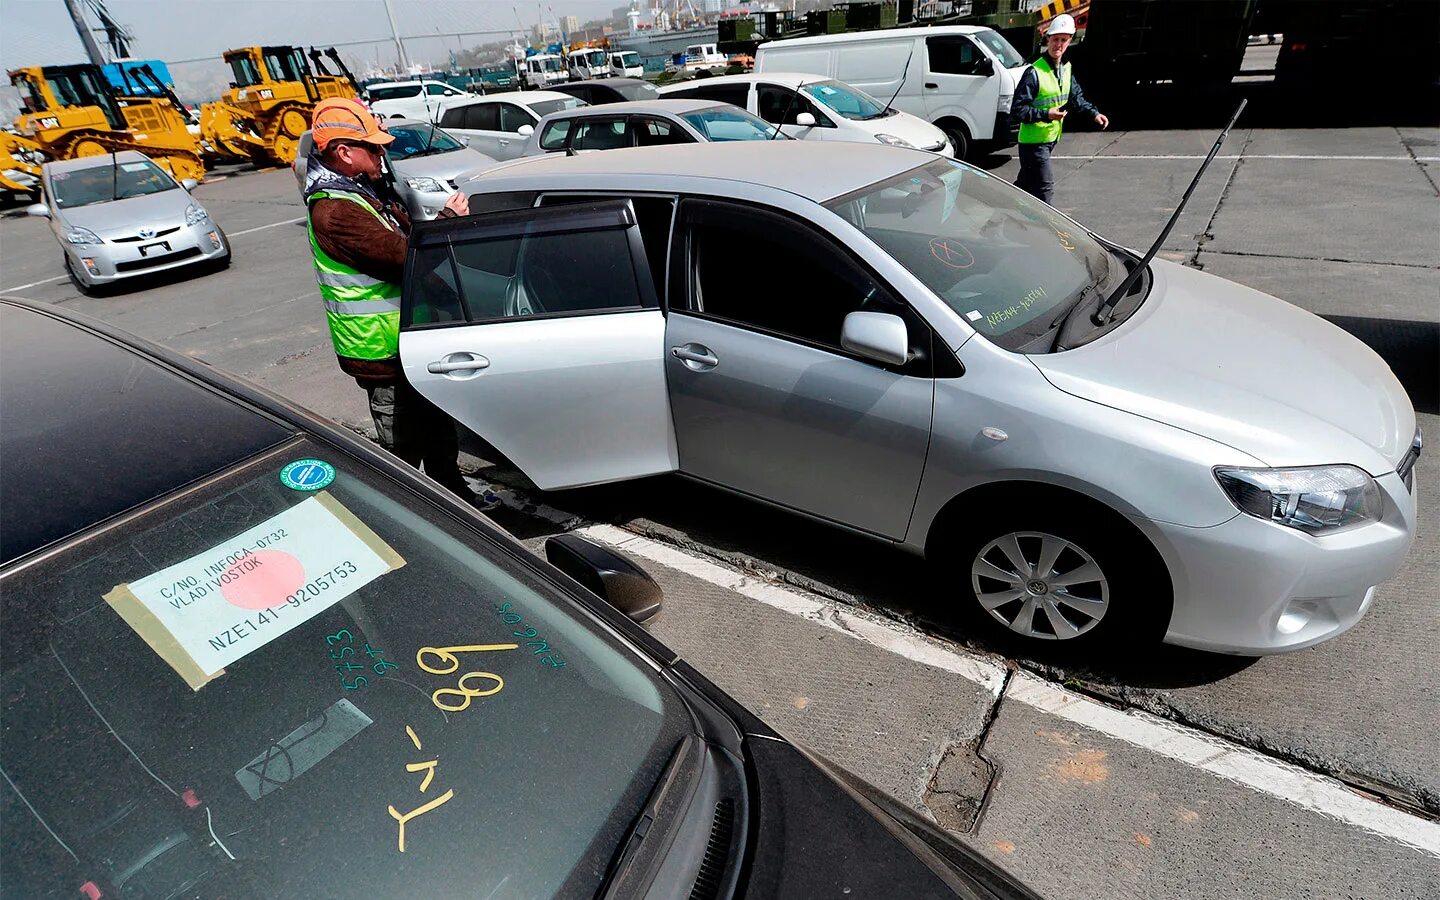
(1036, 178)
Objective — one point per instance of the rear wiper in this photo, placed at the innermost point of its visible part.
(1107, 309)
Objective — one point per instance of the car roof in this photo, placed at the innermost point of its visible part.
(674, 107)
(816, 170)
(878, 34)
(92, 162)
(94, 429)
(522, 97)
(789, 79)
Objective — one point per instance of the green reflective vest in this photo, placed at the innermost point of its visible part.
(1053, 93)
(363, 312)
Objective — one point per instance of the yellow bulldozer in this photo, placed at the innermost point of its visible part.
(72, 111)
(268, 105)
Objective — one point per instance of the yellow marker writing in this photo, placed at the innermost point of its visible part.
(417, 812)
(447, 655)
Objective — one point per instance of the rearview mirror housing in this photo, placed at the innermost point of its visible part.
(526, 130)
(38, 209)
(878, 336)
(984, 66)
(607, 574)
(805, 120)
(189, 184)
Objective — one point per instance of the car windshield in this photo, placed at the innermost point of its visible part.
(1009, 57)
(628, 59)
(543, 108)
(296, 679)
(850, 102)
(103, 183)
(419, 140)
(1004, 261)
(730, 124)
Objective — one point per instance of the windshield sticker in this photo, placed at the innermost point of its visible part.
(974, 315)
(951, 252)
(536, 644)
(464, 688)
(307, 475)
(208, 611)
(428, 767)
(826, 90)
(59, 176)
(134, 167)
(299, 751)
(347, 659)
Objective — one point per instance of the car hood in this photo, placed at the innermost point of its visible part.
(446, 166)
(917, 131)
(1248, 370)
(119, 218)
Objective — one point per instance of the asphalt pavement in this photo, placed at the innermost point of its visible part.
(1338, 221)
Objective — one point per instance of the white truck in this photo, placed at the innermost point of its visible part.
(961, 78)
(626, 64)
(697, 57)
(589, 62)
(541, 70)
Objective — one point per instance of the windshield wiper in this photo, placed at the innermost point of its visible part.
(1107, 309)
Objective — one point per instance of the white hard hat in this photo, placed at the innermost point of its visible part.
(1061, 24)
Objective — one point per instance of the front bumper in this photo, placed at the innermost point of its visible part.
(117, 260)
(1252, 587)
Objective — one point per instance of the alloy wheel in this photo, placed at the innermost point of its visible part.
(1040, 585)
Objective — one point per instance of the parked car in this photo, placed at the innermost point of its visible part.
(903, 345)
(499, 126)
(424, 100)
(647, 124)
(817, 108)
(427, 164)
(610, 90)
(626, 64)
(120, 215)
(960, 78)
(241, 642)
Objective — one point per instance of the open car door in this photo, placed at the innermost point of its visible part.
(539, 330)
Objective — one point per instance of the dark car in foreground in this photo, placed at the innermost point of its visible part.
(246, 654)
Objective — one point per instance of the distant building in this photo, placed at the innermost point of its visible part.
(571, 24)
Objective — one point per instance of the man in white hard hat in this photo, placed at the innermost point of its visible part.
(1045, 96)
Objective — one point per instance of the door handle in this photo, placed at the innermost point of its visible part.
(932, 85)
(459, 365)
(695, 356)
(504, 142)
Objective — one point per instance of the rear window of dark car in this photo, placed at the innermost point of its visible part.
(300, 680)
(394, 93)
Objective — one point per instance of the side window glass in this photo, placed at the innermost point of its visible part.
(806, 294)
(654, 215)
(436, 90)
(688, 94)
(512, 117)
(736, 94)
(775, 102)
(436, 300)
(599, 134)
(554, 136)
(657, 132)
(952, 55)
(582, 92)
(453, 117)
(482, 117)
(546, 274)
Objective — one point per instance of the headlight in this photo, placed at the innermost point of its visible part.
(425, 185)
(82, 236)
(1314, 500)
(195, 214)
(894, 141)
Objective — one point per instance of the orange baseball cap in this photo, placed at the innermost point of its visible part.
(347, 119)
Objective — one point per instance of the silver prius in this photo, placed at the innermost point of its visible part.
(120, 215)
(903, 345)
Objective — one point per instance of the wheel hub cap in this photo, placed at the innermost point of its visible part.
(1040, 585)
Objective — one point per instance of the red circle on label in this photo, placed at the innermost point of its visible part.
(262, 580)
(952, 253)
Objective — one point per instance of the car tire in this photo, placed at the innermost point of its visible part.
(1050, 578)
(85, 289)
(959, 139)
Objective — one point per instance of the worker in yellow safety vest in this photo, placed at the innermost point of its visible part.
(1045, 95)
(359, 233)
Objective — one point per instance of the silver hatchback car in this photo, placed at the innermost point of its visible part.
(121, 216)
(903, 345)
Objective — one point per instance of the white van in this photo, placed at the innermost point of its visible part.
(959, 77)
(626, 64)
(816, 108)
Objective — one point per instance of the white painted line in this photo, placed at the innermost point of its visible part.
(263, 227)
(1219, 757)
(1249, 156)
(21, 287)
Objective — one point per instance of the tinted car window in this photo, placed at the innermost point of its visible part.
(599, 134)
(545, 274)
(555, 133)
(650, 132)
(482, 117)
(454, 117)
(544, 108)
(437, 90)
(737, 94)
(952, 55)
(512, 117)
(809, 284)
(781, 105)
(256, 691)
(394, 93)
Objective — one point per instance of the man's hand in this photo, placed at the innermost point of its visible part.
(458, 203)
(1102, 120)
(1057, 114)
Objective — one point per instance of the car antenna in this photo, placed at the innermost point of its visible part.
(785, 113)
(1106, 310)
(904, 73)
(114, 175)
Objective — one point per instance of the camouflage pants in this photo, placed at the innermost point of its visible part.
(418, 432)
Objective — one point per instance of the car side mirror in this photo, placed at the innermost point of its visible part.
(526, 130)
(189, 184)
(38, 209)
(805, 120)
(983, 66)
(878, 336)
(607, 574)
